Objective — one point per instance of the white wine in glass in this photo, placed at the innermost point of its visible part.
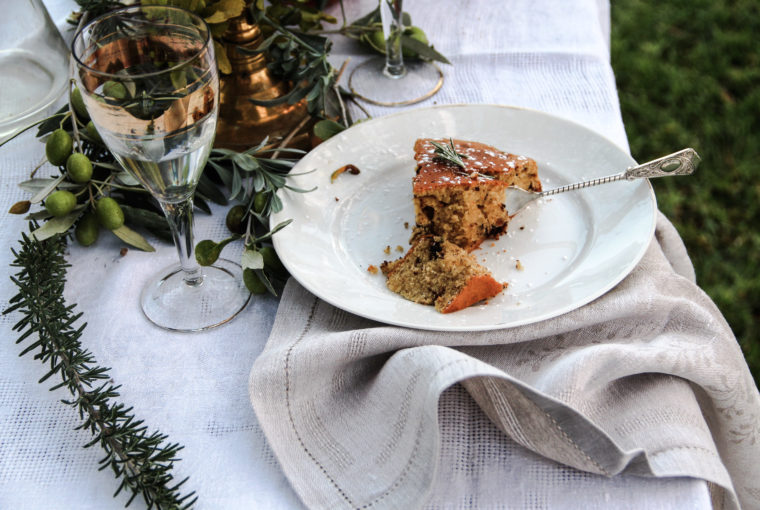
(150, 84)
(391, 81)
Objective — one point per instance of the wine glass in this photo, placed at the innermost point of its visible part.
(390, 81)
(150, 84)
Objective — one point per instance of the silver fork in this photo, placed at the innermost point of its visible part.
(683, 162)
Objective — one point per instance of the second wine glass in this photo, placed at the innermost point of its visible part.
(150, 84)
(391, 81)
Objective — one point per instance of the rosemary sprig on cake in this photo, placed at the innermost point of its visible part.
(448, 153)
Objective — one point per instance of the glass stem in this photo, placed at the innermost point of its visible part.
(180, 218)
(393, 27)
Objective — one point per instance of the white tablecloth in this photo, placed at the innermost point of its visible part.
(550, 55)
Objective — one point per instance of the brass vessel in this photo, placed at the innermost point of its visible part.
(243, 124)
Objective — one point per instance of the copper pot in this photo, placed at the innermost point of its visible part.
(243, 124)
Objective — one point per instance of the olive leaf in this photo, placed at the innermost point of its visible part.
(42, 214)
(20, 207)
(39, 183)
(126, 179)
(327, 128)
(222, 62)
(217, 29)
(46, 190)
(272, 232)
(422, 50)
(53, 122)
(224, 10)
(199, 201)
(132, 238)
(56, 225)
(251, 259)
(265, 280)
(178, 78)
(153, 222)
(209, 190)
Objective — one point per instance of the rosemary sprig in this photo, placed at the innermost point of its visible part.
(448, 153)
(142, 460)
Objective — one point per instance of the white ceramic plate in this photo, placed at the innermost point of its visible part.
(572, 248)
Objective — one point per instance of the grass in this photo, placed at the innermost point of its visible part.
(688, 75)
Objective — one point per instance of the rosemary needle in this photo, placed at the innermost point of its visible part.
(448, 153)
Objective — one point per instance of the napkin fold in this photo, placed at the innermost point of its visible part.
(646, 380)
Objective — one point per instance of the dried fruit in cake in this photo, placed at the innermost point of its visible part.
(464, 203)
(440, 273)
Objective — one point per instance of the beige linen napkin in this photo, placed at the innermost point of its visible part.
(646, 380)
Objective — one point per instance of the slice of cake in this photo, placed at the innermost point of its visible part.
(440, 273)
(463, 201)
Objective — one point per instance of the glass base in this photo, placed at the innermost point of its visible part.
(420, 81)
(170, 303)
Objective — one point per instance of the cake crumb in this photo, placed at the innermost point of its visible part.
(372, 269)
(519, 265)
(522, 227)
(387, 250)
(400, 248)
(406, 225)
(493, 244)
(336, 199)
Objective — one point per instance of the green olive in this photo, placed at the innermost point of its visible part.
(87, 229)
(417, 34)
(260, 202)
(271, 260)
(252, 282)
(78, 103)
(58, 147)
(109, 213)
(60, 203)
(79, 168)
(206, 252)
(376, 39)
(92, 132)
(114, 90)
(234, 219)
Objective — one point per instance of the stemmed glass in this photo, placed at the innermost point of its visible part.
(390, 81)
(150, 84)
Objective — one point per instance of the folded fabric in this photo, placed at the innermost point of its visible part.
(646, 380)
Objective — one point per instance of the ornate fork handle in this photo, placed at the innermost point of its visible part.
(683, 162)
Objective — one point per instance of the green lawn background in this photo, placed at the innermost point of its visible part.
(688, 75)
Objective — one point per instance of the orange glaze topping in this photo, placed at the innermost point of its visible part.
(481, 161)
(477, 289)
